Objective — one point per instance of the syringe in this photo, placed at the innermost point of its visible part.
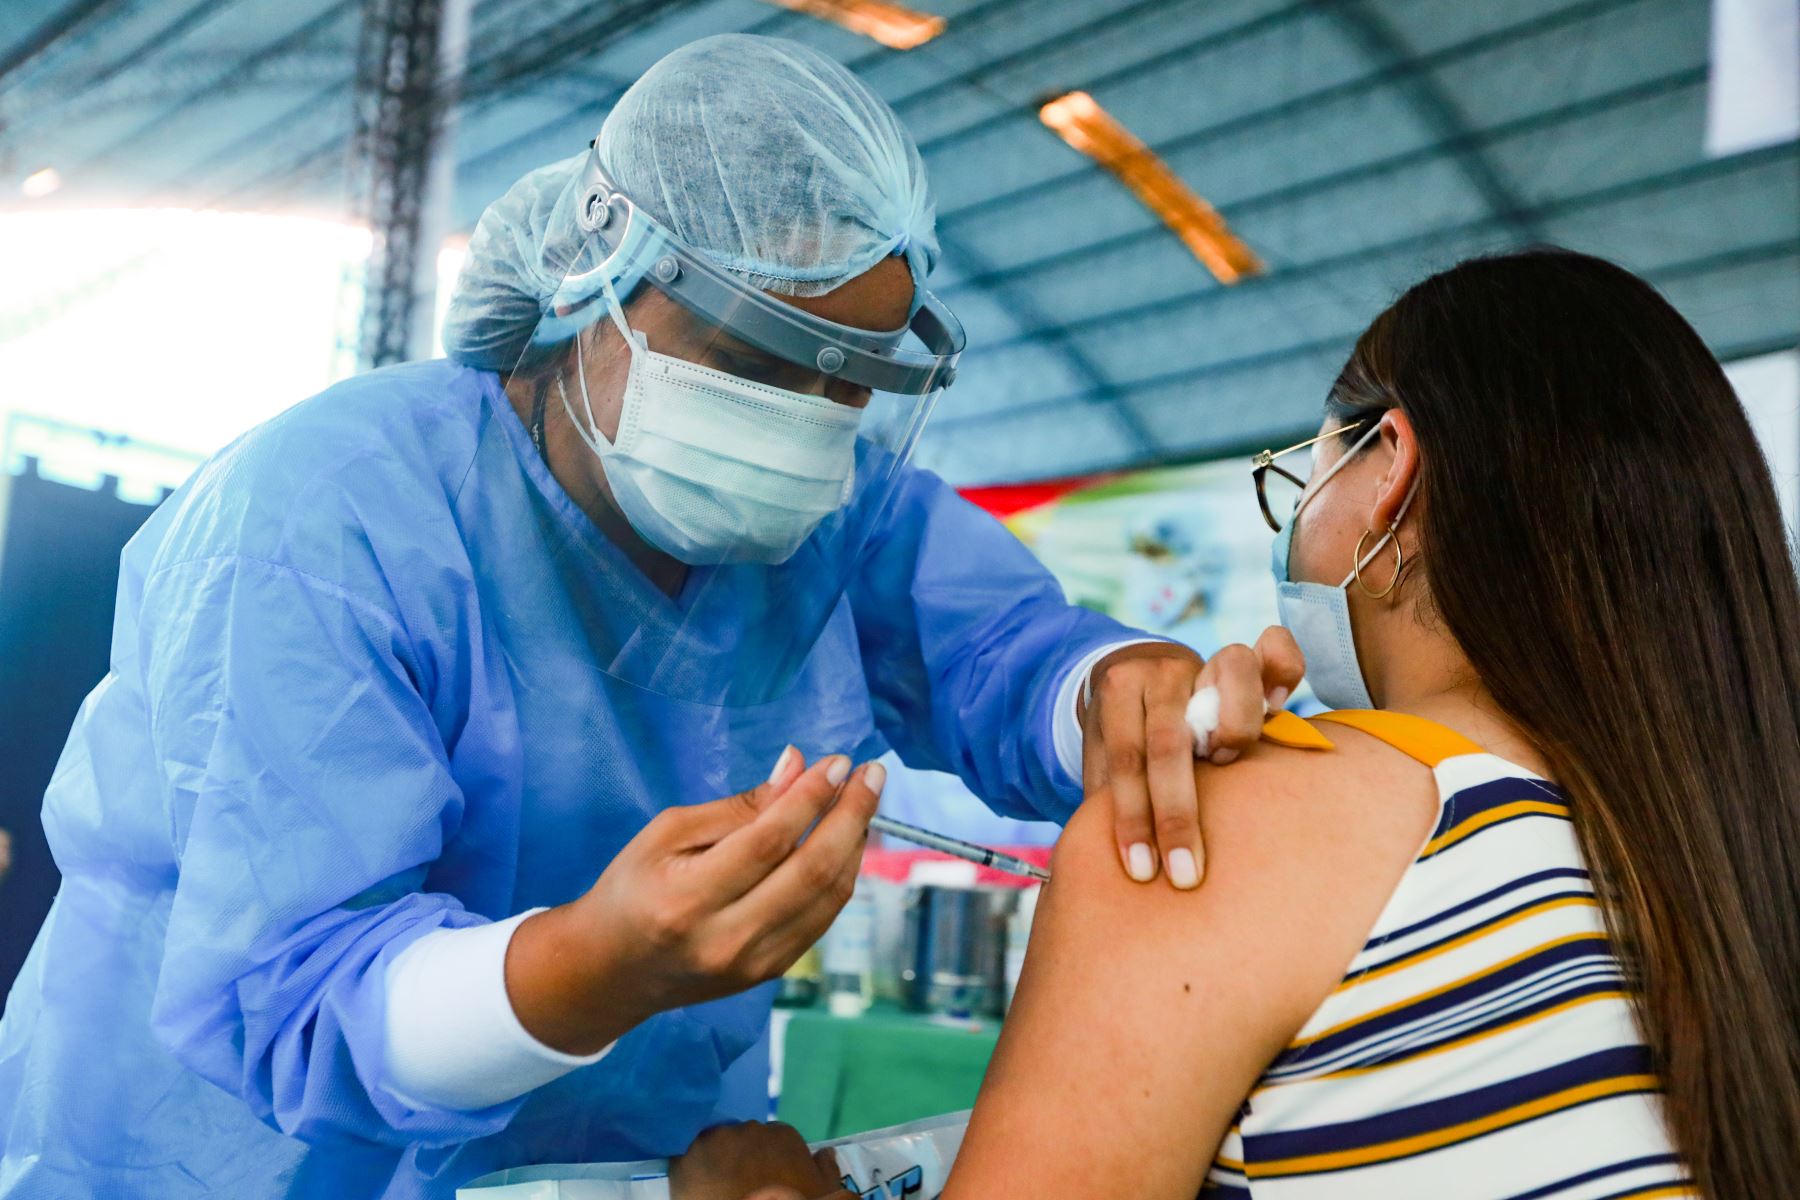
(958, 848)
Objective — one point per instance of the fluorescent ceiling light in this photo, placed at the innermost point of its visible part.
(1080, 121)
(41, 183)
(893, 25)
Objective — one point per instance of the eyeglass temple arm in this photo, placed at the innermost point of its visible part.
(1269, 456)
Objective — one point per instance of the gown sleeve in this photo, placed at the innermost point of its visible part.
(307, 792)
(966, 639)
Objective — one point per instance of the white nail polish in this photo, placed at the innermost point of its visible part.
(1183, 873)
(781, 764)
(1140, 864)
(838, 771)
(875, 778)
(1276, 702)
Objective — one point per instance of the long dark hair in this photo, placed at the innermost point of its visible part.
(1600, 533)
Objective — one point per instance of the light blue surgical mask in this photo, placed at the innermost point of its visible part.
(1317, 614)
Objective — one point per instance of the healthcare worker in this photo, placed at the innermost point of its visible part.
(440, 810)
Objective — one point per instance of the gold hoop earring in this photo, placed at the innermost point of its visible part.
(1399, 564)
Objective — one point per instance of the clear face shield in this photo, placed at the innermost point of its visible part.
(744, 449)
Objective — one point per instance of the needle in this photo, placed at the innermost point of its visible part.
(968, 851)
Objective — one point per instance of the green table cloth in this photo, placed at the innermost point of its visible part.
(844, 1075)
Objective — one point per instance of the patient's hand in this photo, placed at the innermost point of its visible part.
(754, 1161)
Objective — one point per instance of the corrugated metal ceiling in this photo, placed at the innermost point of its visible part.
(1355, 144)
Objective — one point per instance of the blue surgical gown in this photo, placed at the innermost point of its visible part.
(350, 703)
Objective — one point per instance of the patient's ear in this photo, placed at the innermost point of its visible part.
(1402, 452)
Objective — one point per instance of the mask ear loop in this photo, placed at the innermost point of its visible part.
(1313, 489)
(1361, 560)
(590, 433)
(616, 310)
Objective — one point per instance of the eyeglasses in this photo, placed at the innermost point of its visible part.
(1282, 494)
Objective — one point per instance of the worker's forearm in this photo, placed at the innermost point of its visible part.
(568, 990)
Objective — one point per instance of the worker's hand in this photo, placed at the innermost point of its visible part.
(707, 901)
(1138, 744)
(753, 1161)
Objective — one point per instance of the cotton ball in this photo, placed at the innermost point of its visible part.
(1203, 719)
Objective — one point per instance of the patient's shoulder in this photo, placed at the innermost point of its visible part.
(1162, 1009)
(1276, 807)
(1303, 849)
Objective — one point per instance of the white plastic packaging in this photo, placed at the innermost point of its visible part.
(902, 1162)
(910, 1161)
(647, 1180)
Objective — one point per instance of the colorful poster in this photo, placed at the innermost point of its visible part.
(1181, 552)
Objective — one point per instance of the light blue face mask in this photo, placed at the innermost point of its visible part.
(1317, 614)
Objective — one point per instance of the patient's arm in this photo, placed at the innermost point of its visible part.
(1145, 1015)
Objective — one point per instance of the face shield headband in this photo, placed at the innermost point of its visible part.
(627, 247)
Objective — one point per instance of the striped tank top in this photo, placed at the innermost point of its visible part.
(1482, 1045)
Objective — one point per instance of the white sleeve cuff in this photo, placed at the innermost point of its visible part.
(1065, 726)
(453, 1039)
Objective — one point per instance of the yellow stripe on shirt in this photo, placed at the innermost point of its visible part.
(1471, 1039)
(1456, 943)
(1492, 816)
(1363, 1156)
(1595, 936)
